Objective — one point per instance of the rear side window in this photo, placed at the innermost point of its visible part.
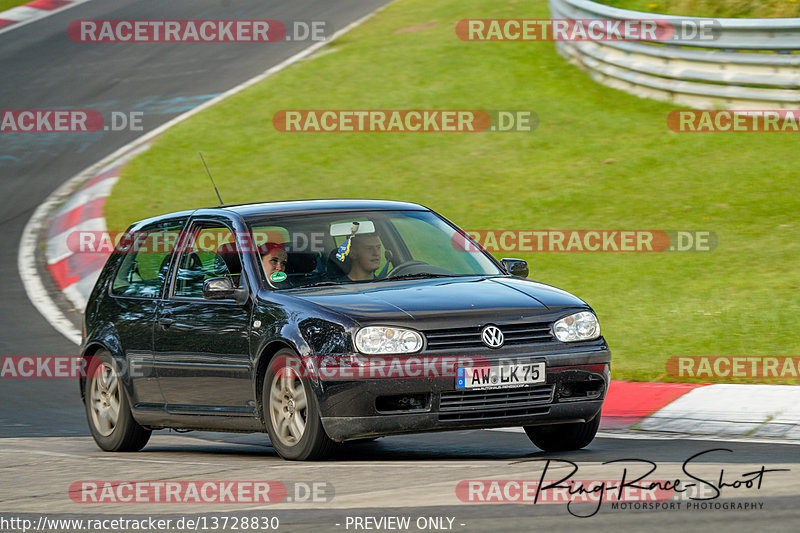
(144, 268)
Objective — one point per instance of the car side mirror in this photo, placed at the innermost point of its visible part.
(515, 267)
(223, 289)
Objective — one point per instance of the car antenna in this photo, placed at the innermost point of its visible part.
(221, 203)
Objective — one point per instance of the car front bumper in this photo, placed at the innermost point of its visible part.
(573, 391)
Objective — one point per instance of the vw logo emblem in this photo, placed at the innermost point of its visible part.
(492, 336)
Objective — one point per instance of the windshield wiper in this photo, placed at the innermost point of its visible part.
(421, 275)
(319, 284)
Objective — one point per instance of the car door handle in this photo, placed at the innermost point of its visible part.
(165, 321)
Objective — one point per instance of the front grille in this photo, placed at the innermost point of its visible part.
(527, 333)
(498, 403)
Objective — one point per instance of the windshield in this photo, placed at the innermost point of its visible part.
(343, 248)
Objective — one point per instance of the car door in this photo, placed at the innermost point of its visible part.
(135, 291)
(201, 347)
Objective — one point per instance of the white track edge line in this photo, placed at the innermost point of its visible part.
(34, 287)
(44, 14)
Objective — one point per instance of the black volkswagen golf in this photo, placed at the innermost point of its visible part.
(323, 321)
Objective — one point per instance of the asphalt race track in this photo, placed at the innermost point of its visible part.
(411, 476)
(42, 68)
(45, 444)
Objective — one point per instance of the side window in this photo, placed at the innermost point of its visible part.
(209, 253)
(144, 268)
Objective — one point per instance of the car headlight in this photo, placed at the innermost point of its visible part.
(581, 326)
(377, 340)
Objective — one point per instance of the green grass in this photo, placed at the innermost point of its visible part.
(713, 8)
(8, 4)
(600, 159)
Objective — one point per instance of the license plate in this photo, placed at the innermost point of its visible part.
(501, 375)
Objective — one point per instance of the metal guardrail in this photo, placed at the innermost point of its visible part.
(750, 65)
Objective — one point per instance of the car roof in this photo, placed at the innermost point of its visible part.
(292, 207)
(300, 207)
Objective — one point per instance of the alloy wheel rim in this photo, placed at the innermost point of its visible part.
(288, 406)
(104, 399)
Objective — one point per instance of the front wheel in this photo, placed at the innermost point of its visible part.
(563, 437)
(108, 409)
(291, 412)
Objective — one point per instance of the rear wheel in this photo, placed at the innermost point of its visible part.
(291, 411)
(563, 437)
(108, 408)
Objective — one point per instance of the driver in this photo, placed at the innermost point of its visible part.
(365, 256)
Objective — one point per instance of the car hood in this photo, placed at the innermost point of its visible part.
(463, 300)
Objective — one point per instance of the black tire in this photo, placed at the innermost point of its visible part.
(281, 418)
(563, 437)
(120, 434)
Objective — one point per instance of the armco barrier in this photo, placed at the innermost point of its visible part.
(751, 65)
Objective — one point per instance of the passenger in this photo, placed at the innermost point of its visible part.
(273, 258)
(365, 256)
